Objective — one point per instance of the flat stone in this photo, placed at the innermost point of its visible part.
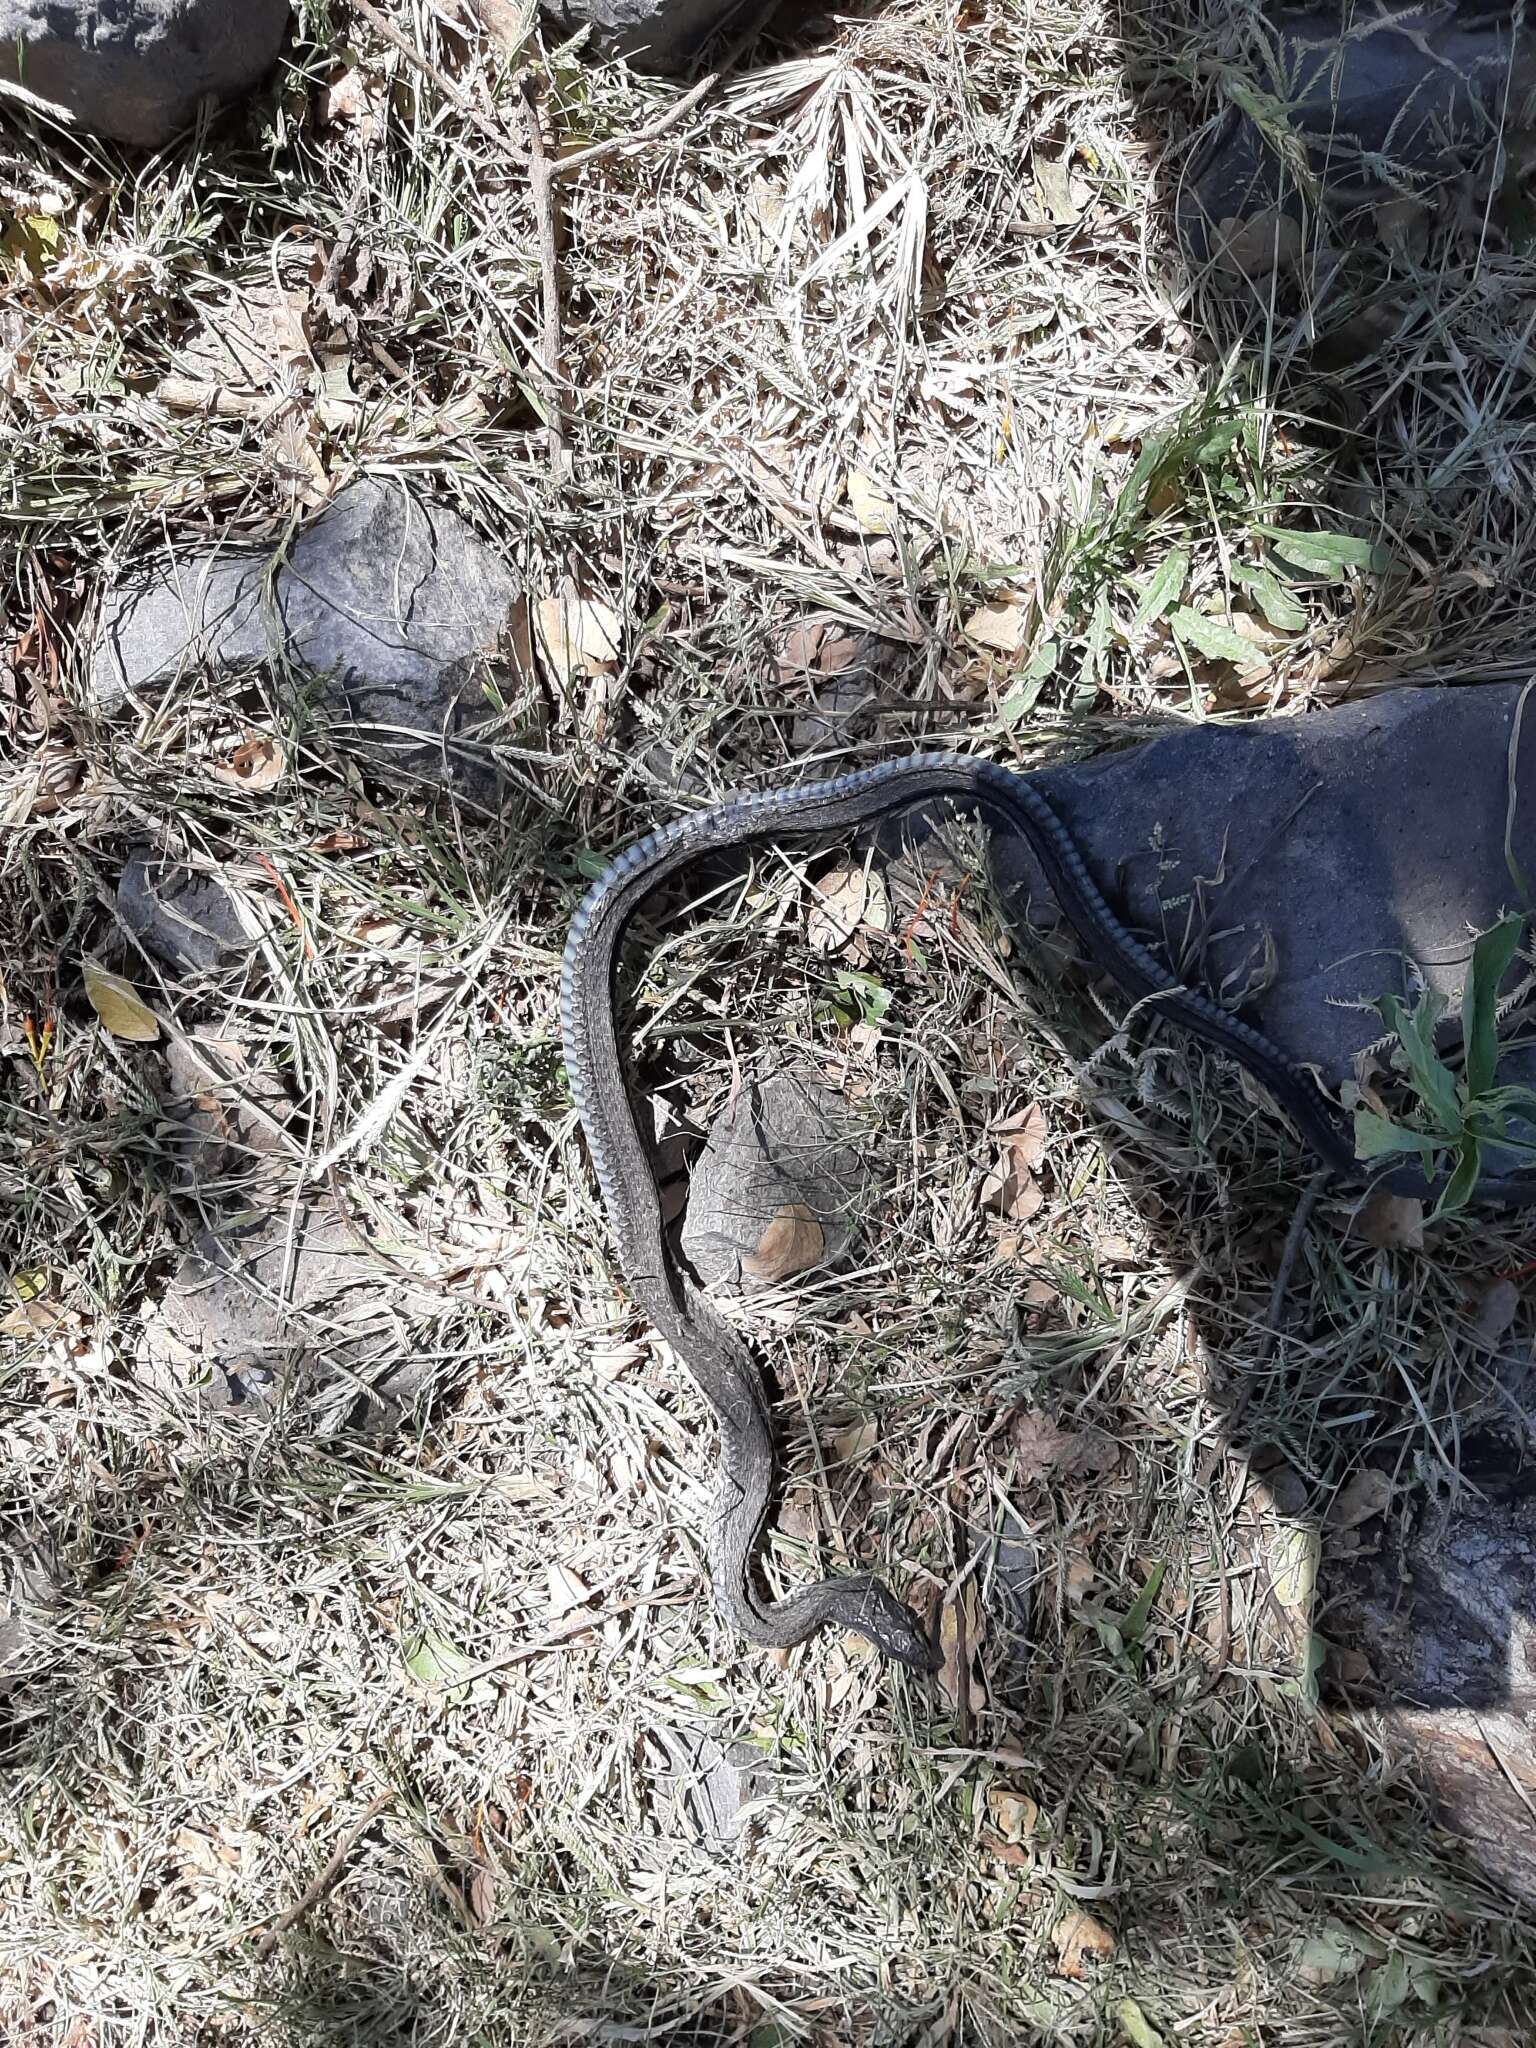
(1440, 1634)
(189, 921)
(781, 1144)
(1423, 87)
(138, 70)
(1318, 862)
(284, 1305)
(389, 610)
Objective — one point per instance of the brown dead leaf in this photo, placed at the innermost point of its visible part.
(962, 1624)
(1044, 1446)
(1002, 626)
(256, 764)
(1268, 243)
(1359, 1499)
(792, 1241)
(482, 1897)
(355, 99)
(1011, 1187)
(1391, 1222)
(579, 636)
(847, 899)
(1078, 1938)
(1495, 1312)
(508, 22)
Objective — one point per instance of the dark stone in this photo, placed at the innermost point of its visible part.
(189, 921)
(1319, 862)
(138, 70)
(1420, 88)
(655, 35)
(388, 606)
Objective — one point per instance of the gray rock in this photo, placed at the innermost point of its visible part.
(138, 70)
(1339, 855)
(1412, 91)
(189, 921)
(1437, 1638)
(655, 35)
(388, 607)
(288, 1305)
(705, 1784)
(782, 1142)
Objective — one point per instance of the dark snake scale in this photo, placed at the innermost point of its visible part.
(716, 1355)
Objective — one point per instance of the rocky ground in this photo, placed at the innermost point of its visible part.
(432, 450)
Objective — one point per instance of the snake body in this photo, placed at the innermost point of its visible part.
(716, 1355)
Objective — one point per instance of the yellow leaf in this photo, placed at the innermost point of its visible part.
(874, 511)
(1002, 626)
(580, 636)
(792, 1241)
(121, 1009)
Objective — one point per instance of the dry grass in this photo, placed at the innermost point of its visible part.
(913, 278)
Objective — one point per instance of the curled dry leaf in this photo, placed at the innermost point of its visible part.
(256, 764)
(792, 1241)
(1013, 1814)
(1391, 1222)
(847, 899)
(118, 1004)
(579, 636)
(1011, 1187)
(1044, 1446)
(1078, 1939)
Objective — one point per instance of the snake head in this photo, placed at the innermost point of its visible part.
(894, 1629)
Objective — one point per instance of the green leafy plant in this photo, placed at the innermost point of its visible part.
(1456, 1114)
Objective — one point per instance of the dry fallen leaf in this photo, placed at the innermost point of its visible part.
(1076, 1937)
(1391, 1222)
(568, 1591)
(1367, 1494)
(256, 764)
(580, 636)
(1495, 1312)
(846, 899)
(1014, 1814)
(1011, 1187)
(482, 1897)
(117, 1003)
(1002, 625)
(1269, 242)
(874, 511)
(1044, 1446)
(792, 1241)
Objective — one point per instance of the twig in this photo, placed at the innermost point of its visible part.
(326, 1879)
(1290, 1253)
(567, 166)
(381, 24)
(542, 191)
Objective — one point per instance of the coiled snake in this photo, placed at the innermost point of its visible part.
(713, 1352)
